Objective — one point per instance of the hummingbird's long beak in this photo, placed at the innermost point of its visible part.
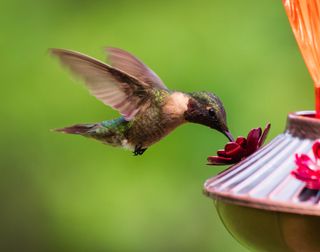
(228, 135)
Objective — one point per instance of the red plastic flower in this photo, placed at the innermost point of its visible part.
(240, 149)
(308, 170)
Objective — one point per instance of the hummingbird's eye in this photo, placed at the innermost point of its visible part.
(211, 112)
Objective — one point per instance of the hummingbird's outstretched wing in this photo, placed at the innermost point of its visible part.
(112, 86)
(130, 64)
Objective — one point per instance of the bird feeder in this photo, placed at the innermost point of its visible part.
(259, 200)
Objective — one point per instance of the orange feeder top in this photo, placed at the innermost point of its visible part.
(304, 17)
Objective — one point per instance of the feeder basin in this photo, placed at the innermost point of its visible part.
(259, 201)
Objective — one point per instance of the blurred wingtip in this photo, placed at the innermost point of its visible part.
(52, 51)
(111, 48)
(60, 130)
(56, 51)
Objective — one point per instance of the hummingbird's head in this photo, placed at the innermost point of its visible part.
(207, 109)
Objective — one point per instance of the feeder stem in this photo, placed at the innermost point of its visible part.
(317, 93)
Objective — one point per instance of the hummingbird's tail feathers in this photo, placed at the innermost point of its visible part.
(78, 129)
(110, 132)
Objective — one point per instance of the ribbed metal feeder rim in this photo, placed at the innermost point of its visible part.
(264, 179)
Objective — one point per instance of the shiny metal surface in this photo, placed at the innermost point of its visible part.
(262, 205)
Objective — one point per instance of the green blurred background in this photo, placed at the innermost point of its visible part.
(67, 193)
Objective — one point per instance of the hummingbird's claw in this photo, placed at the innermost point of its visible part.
(139, 150)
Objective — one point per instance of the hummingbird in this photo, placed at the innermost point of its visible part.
(149, 110)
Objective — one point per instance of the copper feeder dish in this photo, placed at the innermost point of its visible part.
(261, 204)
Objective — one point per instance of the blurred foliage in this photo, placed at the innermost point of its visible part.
(67, 193)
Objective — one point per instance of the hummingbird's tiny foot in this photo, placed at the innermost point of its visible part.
(139, 150)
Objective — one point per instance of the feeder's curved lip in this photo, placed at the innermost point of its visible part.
(303, 124)
(262, 203)
(264, 180)
(310, 113)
